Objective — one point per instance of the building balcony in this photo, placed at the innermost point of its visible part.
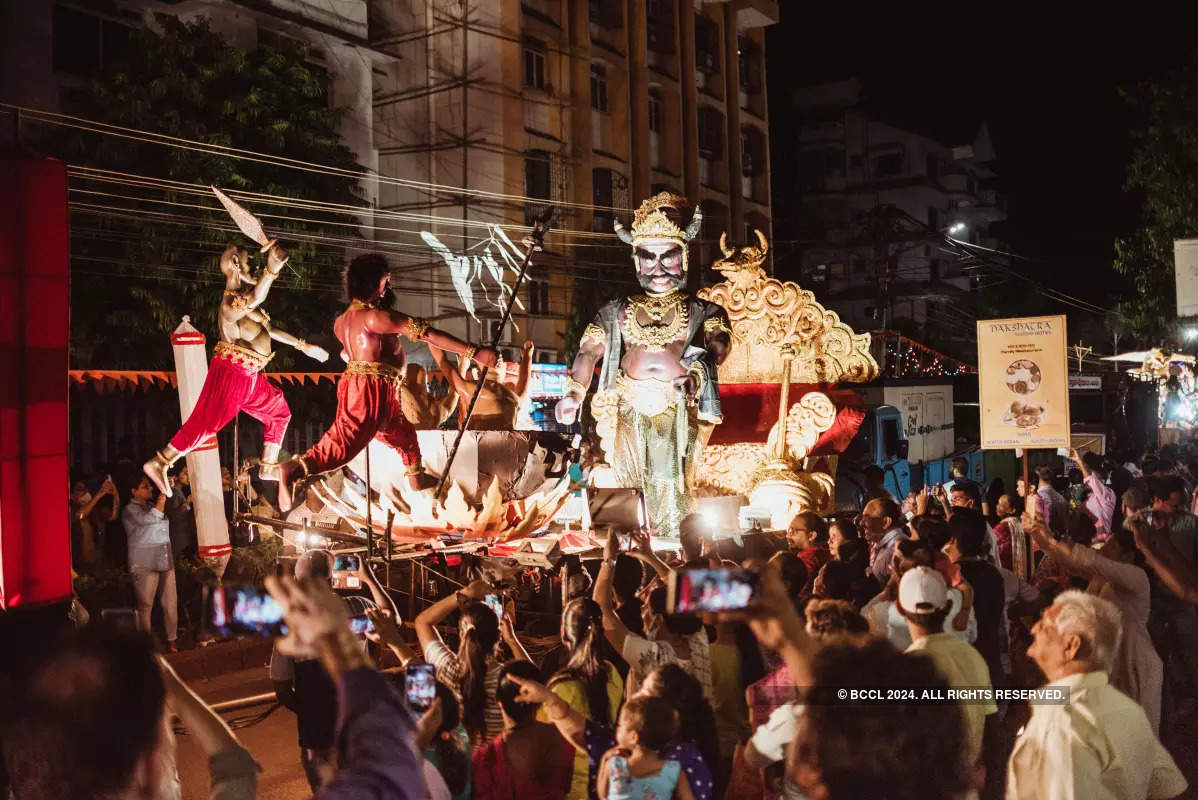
(536, 116)
(755, 13)
(547, 10)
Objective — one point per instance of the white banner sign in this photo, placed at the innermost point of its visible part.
(1185, 264)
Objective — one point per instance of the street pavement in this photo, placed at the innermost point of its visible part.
(272, 742)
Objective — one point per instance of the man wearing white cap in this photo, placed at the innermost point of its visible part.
(923, 601)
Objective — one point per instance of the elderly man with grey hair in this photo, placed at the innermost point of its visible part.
(1099, 744)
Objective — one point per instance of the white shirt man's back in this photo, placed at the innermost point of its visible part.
(1097, 746)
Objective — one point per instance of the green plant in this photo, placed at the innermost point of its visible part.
(134, 273)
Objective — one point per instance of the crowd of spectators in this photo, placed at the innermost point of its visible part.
(1084, 581)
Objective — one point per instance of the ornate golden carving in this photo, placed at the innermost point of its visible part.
(767, 318)
(805, 421)
(741, 259)
(716, 325)
(651, 222)
(656, 336)
(724, 469)
(786, 492)
(375, 369)
(247, 359)
(594, 333)
(767, 313)
(415, 328)
(605, 409)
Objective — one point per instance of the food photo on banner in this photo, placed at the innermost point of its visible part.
(1023, 382)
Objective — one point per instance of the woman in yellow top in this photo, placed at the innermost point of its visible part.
(591, 686)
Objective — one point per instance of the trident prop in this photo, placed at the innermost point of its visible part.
(537, 239)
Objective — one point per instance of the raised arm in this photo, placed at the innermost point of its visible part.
(107, 488)
(644, 552)
(525, 370)
(456, 381)
(507, 631)
(280, 335)
(590, 352)
(613, 628)
(1077, 459)
(386, 321)
(1036, 527)
(1085, 559)
(1169, 564)
(570, 724)
(374, 730)
(386, 632)
(274, 265)
(426, 621)
(233, 773)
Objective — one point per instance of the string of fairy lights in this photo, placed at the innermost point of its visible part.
(907, 358)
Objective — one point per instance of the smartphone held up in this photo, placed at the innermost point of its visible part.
(495, 603)
(345, 571)
(420, 686)
(709, 591)
(243, 609)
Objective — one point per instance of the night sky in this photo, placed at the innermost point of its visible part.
(1061, 131)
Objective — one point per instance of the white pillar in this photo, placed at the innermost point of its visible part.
(203, 463)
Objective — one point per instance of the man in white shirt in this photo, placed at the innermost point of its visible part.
(1098, 745)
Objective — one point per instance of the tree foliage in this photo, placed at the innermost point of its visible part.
(1163, 171)
(135, 272)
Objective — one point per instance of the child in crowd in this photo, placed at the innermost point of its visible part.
(634, 769)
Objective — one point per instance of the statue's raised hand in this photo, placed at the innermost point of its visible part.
(566, 410)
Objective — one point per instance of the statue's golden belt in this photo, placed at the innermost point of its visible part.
(375, 369)
(649, 396)
(244, 357)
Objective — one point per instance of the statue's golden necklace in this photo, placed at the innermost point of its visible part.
(655, 336)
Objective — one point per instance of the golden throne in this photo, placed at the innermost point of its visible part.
(784, 420)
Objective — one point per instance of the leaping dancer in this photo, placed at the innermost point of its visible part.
(368, 397)
(234, 382)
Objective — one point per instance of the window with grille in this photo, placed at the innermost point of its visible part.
(655, 111)
(609, 190)
(599, 87)
(534, 64)
(538, 297)
(536, 183)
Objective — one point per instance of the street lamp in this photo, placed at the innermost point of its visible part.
(957, 228)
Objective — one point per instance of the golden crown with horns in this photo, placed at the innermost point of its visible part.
(651, 222)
